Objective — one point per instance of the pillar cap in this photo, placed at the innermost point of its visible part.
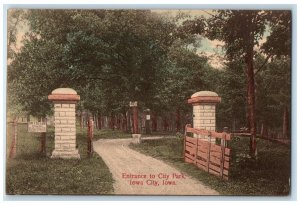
(204, 97)
(64, 94)
(66, 91)
(204, 93)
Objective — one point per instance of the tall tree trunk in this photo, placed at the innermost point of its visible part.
(99, 121)
(128, 125)
(285, 124)
(154, 122)
(118, 121)
(95, 120)
(113, 122)
(124, 121)
(262, 130)
(251, 100)
(165, 124)
(81, 120)
(109, 120)
(233, 124)
(121, 122)
(177, 119)
(135, 120)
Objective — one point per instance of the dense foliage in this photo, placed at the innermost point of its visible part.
(111, 57)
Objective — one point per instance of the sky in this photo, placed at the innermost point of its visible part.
(211, 49)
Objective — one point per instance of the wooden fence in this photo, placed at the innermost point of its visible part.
(284, 141)
(205, 154)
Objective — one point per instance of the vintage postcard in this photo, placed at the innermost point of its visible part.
(156, 102)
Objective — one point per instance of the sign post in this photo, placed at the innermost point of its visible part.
(39, 127)
(147, 123)
(135, 134)
(135, 116)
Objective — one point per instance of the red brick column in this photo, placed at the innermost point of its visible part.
(135, 135)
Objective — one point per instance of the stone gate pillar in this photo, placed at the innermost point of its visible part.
(64, 100)
(204, 110)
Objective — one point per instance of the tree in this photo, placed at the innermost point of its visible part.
(232, 87)
(186, 74)
(241, 32)
(274, 95)
(279, 41)
(117, 55)
(278, 48)
(15, 19)
(27, 76)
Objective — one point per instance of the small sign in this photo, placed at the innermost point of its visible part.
(37, 126)
(133, 103)
(147, 117)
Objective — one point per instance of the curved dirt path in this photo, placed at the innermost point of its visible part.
(123, 161)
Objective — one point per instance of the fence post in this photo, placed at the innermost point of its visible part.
(223, 140)
(13, 147)
(43, 143)
(208, 150)
(196, 151)
(90, 136)
(223, 145)
(184, 140)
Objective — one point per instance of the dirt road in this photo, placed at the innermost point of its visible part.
(135, 173)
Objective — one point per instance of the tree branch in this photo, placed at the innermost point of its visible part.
(208, 13)
(263, 64)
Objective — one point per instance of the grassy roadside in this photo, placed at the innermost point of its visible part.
(30, 173)
(109, 134)
(269, 175)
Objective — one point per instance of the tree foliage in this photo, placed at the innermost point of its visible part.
(111, 57)
(279, 42)
(242, 31)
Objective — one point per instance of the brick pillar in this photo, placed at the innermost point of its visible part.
(64, 100)
(204, 110)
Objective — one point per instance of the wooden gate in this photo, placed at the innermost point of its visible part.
(205, 154)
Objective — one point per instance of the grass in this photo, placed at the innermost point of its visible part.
(31, 173)
(267, 176)
(109, 134)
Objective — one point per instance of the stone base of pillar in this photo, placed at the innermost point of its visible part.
(136, 138)
(65, 154)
